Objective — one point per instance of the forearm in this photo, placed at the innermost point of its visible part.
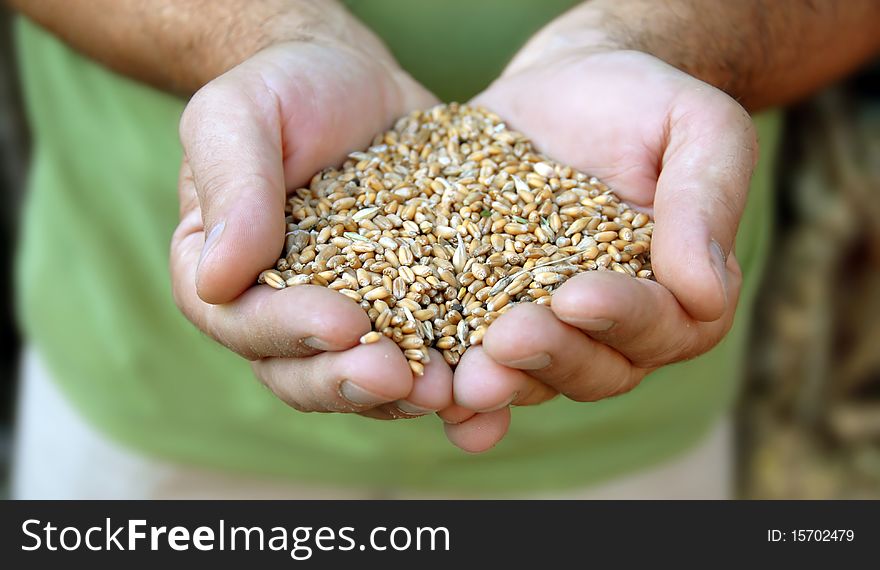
(762, 52)
(179, 45)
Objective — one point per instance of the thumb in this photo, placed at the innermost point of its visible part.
(232, 141)
(700, 197)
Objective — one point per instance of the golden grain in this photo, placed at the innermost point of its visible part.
(446, 222)
(370, 337)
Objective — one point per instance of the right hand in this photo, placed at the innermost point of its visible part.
(676, 148)
(251, 135)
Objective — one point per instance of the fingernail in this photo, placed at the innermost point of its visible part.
(412, 409)
(500, 406)
(316, 343)
(536, 362)
(595, 325)
(211, 240)
(359, 396)
(719, 263)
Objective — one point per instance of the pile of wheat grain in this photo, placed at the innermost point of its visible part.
(447, 221)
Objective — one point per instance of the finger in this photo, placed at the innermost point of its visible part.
(481, 432)
(273, 122)
(291, 322)
(231, 136)
(701, 193)
(430, 392)
(639, 318)
(354, 380)
(531, 339)
(483, 385)
(455, 414)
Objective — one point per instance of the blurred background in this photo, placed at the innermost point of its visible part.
(808, 425)
(809, 420)
(13, 162)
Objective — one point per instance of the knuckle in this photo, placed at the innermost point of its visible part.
(744, 128)
(211, 182)
(582, 397)
(583, 387)
(190, 119)
(214, 325)
(575, 383)
(180, 298)
(591, 394)
(609, 387)
(296, 404)
(676, 350)
(200, 104)
(729, 209)
(680, 348)
(535, 393)
(299, 407)
(629, 381)
(283, 390)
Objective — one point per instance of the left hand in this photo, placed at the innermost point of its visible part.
(250, 137)
(668, 144)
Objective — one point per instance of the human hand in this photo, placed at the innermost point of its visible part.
(665, 142)
(250, 136)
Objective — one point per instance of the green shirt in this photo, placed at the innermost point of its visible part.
(94, 294)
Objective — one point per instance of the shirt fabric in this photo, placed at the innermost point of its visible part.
(94, 293)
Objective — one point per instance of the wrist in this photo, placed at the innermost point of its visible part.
(324, 22)
(317, 22)
(602, 26)
(578, 33)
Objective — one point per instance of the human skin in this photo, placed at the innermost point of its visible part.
(282, 89)
(676, 146)
(592, 91)
(249, 137)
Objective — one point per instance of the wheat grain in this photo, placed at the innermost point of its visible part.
(447, 221)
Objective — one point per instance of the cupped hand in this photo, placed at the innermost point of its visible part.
(249, 137)
(670, 145)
